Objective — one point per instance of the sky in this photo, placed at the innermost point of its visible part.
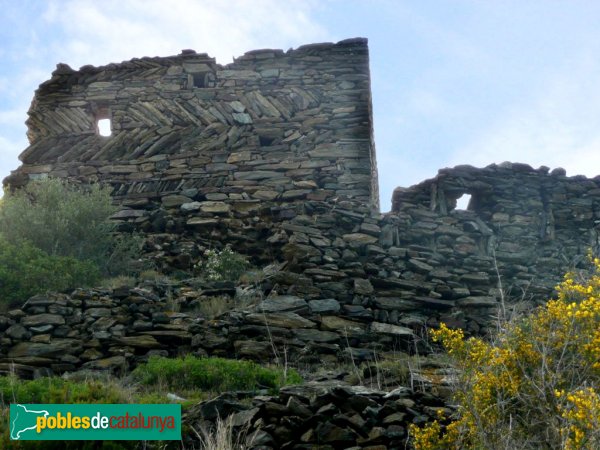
(453, 81)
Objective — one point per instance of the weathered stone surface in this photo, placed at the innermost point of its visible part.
(259, 438)
(387, 328)
(191, 206)
(359, 238)
(16, 332)
(363, 287)
(214, 207)
(344, 326)
(434, 302)
(98, 312)
(57, 347)
(419, 266)
(256, 350)
(324, 306)
(478, 301)
(242, 118)
(41, 329)
(244, 418)
(284, 320)
(394, 303)
(169, 201)
(103, 324)
(217, 196)
(344, 416)
(173, 336)
(283, 303)
(256, 175)
(330, 433)
(370, 228)
(221, 406)
(142, 340)
(316, 335)
(114, 363)
(201, 222)
(42, 319)
(265, 195)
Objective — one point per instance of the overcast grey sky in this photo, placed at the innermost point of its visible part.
(454, 82)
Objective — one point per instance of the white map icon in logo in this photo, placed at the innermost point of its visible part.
(25, 419)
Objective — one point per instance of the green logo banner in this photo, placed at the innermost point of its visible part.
(95, 422)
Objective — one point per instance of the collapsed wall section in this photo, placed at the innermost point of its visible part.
(531, 224)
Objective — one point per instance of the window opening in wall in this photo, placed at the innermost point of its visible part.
(265, 141)
(199, 80)
(462, 202)
(104, 127)
(202, 80)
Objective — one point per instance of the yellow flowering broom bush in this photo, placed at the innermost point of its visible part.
(535, 386)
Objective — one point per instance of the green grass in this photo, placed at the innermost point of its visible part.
(192, 378)
(58, 390)
(215, 375)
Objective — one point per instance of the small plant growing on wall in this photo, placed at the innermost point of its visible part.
(223, 265)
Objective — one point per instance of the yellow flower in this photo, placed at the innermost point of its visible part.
(546, 364)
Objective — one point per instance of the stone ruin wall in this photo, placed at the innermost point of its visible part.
(527, 226)
(274, 154)
(246, 142)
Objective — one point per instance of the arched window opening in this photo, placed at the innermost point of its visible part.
(462, 202)
(104, 127)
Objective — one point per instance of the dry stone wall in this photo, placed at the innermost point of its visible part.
(273, 154)
(247, 142)
(352, 284)
(326, 415)
(534, 223)
(220, 152)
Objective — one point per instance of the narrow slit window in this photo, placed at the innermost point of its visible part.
(462, 202)
(104, 127)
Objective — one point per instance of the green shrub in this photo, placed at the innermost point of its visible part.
(536, 385)
(223, 265)
(59, 218)
(26, 270)
(64, 219)
(123, 255)
(211, 374)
